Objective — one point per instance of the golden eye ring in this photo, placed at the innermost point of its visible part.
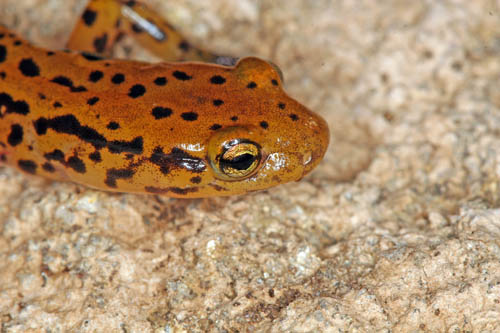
(239, 158)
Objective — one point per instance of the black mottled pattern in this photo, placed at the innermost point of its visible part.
(16, 135)
(28, 166)
(217, 79)
(252, 85)
(91, 101)
(137, 90)
(91, 56)
(75, 163)
(89, 16)
(118, 78)
(95, 156)
(112, 175)
(3, 53)
(195, 180)
(136, 146)
(281, 106)
(67, 82)
(294, 117)
(160, 81)
(96, 76)
(264, 124)
(218, 102)
(29, 68)
(176, 190)
(113, 125)
(215, 127)
(184, 46)
(160, 112)
(57, 105)
(189, 116)
(10, 106)
(69, 124)
(177, 158)
(55, 155)
(274, 82)
(48, 167)
(100, 43)
(182, 76)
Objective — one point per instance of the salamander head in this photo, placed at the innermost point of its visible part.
(281, 142)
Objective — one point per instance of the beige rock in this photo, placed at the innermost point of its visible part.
(397, 230)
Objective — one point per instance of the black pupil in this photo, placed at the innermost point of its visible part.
(240, 162)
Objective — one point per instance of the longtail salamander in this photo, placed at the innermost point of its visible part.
(185, 129)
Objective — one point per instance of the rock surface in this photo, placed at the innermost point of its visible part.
(397, 230)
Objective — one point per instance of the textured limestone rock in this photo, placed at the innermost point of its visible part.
(398, 229)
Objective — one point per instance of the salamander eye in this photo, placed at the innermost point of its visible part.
(239, 158)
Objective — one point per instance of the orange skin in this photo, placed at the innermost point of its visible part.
(129, 126)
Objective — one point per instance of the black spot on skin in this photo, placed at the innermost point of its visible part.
(95, 76)
(215, 127)
(160, 81)
(234, 118)
(112, 175)
(113, 125)
(294, 117)
(130, 3)
(95, 156)
(137, 91)
(89, 17)
(55, 155)
(100, 43)
(252, 85)
(17, 43)
(68, 124)
(159, 112)
(136, 28)
(189, 116)
(218, 102)
(118, 78)
(264, 124)
(217, 79)
(28, 166)
(50, 53)
(281, 106)
(184, 46)
(66, 82)
(182, 76)
(134, 147)
(3, 158)
(2, 36)
(42, 96)
(176, 190)
(91, 101)
(129, 156)
(3, 53)
(196, 180)
(3, 75)
(8, 105)
(48, 167)
(30, 148)
(177, 158)
(16, 135)
(274, 82)
(75, 163)
(29, 68)
(91, 56)
(57, 105)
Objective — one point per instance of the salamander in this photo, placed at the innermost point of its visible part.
(182, 129)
